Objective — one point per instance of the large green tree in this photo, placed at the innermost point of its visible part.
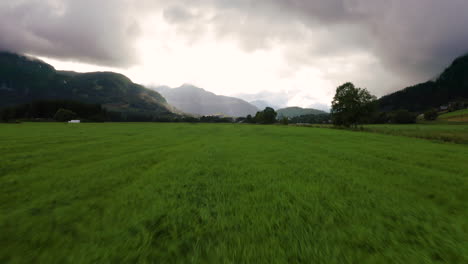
(267, 116)
(352, 106)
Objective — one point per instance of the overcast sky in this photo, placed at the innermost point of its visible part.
(290, 52)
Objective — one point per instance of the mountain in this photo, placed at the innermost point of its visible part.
(291, 112)
(24, 79)
(451, 85)
(262, 104)
(194, 100)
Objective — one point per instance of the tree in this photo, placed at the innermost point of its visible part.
(352, 106)
(284, 121)
(64, 115)
(431, 115)
(403, 116)
(310, 119)
(249, 119)
(267, 116)
(7, 114)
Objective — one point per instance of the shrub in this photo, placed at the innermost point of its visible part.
(64, 115)
(430, 115)
(7, 114)
(403, 117)
(380, 118)
(284, 121)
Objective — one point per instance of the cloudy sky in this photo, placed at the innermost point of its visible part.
(290, 52)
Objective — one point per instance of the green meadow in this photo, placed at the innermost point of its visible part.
(227, 193)
(448, 132)
(457, 116)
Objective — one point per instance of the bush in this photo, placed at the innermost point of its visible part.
(249, 119)
(64, 115)
(284, 121)
(403, 117)
(380, 118)
(310, 119)
(430, 115)
(7, 114)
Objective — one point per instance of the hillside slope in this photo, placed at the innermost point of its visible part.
(24, 79)
(451, 85)
(456, 116)
(295, 111)
(194, 100)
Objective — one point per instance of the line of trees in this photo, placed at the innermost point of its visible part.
(65, 110)
(310, 119)
(269, 116)
(351, 106)
(48, 109)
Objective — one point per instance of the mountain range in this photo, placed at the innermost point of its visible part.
(295, 111)
(24, 79)
(451, 85)
(194, 100)
(262, 104)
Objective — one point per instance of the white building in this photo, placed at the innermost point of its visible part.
(74, 121)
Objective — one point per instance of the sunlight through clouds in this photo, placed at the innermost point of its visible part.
(306, 48)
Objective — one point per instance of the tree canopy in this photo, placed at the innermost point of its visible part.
(267, 116)
(352, 106)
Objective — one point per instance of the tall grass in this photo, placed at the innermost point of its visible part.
(459, 113)
(198, 193)
(448, 132)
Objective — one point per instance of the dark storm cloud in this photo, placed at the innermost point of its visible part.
(97, 32)
(414, 39)
(411, 39)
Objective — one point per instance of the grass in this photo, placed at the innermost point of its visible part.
(457, 116)
(183, 193)
(449, 132)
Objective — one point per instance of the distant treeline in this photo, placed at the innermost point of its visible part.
(46, 110)
(270, 116)
(63, 110)
(310, 119)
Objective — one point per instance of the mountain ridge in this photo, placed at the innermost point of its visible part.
(452, 84)
(198, 101)
(262, 104)
(295, 111)
(25, 79)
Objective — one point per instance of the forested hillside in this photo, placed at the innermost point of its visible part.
(24, 79)
(452, 85)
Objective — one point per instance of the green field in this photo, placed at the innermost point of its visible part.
(449, 132)
(198, 193)
(460, 115)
